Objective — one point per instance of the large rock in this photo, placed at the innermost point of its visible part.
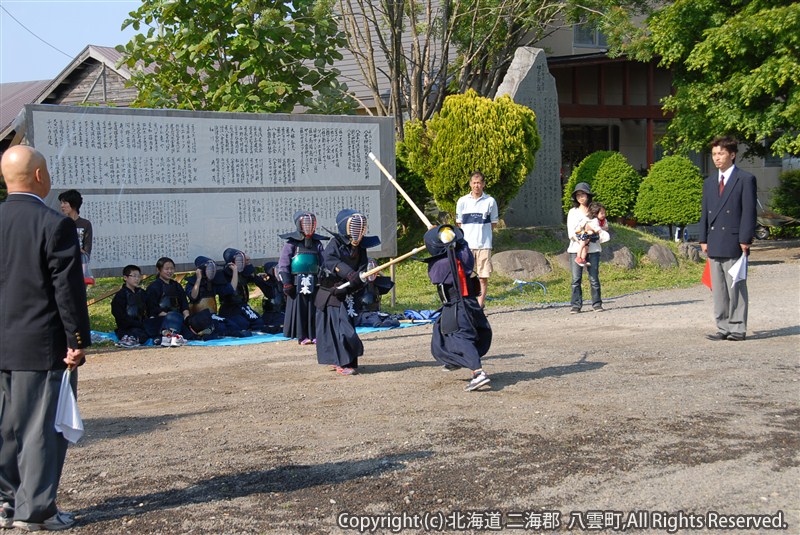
(563, 261)
(618, 255)
(520, 264)
(623, 257)
(662, 255)
(690, 251)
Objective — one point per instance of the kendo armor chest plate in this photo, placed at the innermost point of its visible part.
(305, 262)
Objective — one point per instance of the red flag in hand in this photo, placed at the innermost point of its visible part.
(706, 278)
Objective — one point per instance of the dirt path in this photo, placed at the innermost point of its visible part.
(629, 410)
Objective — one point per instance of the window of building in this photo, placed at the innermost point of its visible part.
(771, 160)
(588, 36)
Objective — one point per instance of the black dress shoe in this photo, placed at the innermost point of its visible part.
(736, 337)
(716, 337)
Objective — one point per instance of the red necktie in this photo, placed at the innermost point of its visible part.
(721, 185)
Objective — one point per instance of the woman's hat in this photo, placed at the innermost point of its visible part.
(584, 187)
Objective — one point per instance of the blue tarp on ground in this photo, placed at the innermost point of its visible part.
(255, 339)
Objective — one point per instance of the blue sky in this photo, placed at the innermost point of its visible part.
(67, 25)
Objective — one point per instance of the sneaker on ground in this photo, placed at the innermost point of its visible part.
(478, 380)
(599, 309)
(6, 516)
(166, 340)
(344, 370)
(305, 341)
(57, 522)
(177, 341)
(575, 310)
(130, 341)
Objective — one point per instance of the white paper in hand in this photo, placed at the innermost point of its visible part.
(68, 417)
(738, 271)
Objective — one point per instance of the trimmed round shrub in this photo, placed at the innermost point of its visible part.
(584, 172)
(615, 186)
(473, 133)
(671, 193)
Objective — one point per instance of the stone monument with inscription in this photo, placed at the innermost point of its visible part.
(530, 83)
(183, 184)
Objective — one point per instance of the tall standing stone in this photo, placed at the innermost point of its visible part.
(530, 83)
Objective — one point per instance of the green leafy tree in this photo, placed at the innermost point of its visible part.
(616, 184)
(786, 197)
(736, 69)
(414, 186)
(671, 193)
(584, 172)
(234, 55)
(471, 133)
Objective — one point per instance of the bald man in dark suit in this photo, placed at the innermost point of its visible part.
(727, 228)
(44, 328)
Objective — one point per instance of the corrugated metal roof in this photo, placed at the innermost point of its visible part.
(14, 95)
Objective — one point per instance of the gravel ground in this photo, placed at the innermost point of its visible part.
(629, 418)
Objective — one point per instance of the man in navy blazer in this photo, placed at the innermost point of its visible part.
(44, 328)
(727, 227)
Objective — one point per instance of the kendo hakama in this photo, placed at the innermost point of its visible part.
(461, 333)
(343, 259)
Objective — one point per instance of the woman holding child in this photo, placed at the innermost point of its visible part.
(585, 224)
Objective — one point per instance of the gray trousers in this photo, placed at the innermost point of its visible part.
(32, 453)
(730, 304)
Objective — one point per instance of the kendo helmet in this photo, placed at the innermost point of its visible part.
(207, 266)
(236, 257)
(352, 225)
(306, 223)
(439, 239)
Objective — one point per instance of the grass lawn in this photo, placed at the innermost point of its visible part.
(414, 290)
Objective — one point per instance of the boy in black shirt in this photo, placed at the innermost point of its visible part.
(129, 307)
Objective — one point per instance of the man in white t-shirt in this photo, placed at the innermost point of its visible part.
(476, 214)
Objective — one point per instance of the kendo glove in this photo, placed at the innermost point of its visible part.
(289, 290)
(354, 278)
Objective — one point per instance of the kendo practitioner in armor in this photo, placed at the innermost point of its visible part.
(298, 268)
(235, 306)
(461, 333)
(167, 307)
(343, 261)
(129, 308)
(202, 289)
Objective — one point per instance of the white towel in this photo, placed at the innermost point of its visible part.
(68, 417)
(739, 270)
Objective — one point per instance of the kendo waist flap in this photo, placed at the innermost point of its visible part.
(305, 283)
